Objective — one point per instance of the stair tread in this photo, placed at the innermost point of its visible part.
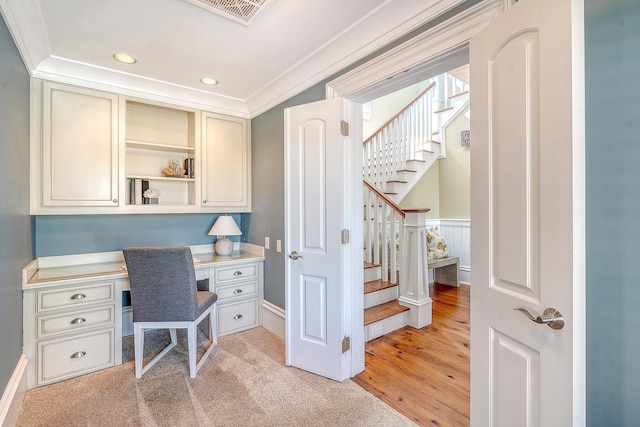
(383, 311)
(458, 94)
(443, 110)
(377, 285)
(397, 180)
(415, 160)
(370, 265)
(407, 170)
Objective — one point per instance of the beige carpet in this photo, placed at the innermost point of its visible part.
(243, 383)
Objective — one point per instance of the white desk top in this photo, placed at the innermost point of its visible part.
(70, 269)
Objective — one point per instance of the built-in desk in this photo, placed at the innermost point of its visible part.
(73, 317)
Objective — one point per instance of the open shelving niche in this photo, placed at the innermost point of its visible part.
(154, 136)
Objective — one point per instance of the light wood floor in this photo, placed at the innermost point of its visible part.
(424, 373)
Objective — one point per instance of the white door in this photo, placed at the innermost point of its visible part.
(527, 208)
(318, 183)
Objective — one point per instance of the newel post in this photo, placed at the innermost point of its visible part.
(414, 278)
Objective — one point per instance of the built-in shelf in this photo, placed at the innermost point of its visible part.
(160, 178)
(159, 147)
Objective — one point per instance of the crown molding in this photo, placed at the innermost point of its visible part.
(303, 75)
(317, 66)
(446, 43)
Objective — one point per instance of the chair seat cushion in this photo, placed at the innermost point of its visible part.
(205, 300)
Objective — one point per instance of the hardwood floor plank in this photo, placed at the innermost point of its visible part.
(424, 373)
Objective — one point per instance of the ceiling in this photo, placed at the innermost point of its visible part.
(288, 47)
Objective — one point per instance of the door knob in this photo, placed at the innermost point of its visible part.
(550, 317)
(294, 255)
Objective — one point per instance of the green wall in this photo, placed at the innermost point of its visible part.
(15, 223)
(455, 173)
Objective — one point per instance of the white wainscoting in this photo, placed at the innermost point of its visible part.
(14, 393)
(457, 233)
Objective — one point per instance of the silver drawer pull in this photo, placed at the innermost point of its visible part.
(237, 273)
(237, 291)
(78, 320)
(237, 316)
(78, 354)
(78, 296)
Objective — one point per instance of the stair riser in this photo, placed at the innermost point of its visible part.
(373, 273)
(390, 324)
(380, 297)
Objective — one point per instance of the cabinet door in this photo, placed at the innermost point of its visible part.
(225, 163)
(79, 147)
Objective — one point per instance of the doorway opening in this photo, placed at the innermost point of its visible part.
(424, 373)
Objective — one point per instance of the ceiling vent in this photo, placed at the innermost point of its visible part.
(242, 11)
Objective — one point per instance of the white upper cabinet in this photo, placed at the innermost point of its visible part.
(94, 152)
(226, 163)
(79, 147)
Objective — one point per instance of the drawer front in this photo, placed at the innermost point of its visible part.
(237, 317)
(228, 274)
(75, 296)
(70, 357)
(77, 320)
(240, 290)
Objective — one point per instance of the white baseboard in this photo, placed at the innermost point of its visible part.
(14, 393)
(465, 276)
(273, 319)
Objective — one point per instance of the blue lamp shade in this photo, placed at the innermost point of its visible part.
(224, 226)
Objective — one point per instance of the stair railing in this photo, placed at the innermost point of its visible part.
(387, 151)
(383, 232)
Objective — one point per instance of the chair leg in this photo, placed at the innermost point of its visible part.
(213, 326)
(138, 337)
(138, 344)
(192, 332)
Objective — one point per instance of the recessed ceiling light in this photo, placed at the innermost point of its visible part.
(209, 81)
(124, 58)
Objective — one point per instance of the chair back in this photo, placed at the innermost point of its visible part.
(163, 283)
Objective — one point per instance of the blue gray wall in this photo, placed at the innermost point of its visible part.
(267, 152)
(76, 234)
(612, 31)
(613, 210)
(15, 223)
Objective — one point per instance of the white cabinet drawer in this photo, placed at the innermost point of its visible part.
(76, 296)
(238, 316)
(240, 290)
(70, 357)
(75, 321)
(227, 274)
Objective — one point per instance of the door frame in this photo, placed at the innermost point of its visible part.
(441, 48)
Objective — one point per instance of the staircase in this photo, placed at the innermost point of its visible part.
(397, 155)
(394, 159)
(382, 312)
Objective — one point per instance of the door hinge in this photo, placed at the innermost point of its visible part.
(345, 236)
(346, 344)
(344, 128)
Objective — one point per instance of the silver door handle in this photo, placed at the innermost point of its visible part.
(294, 255)
(550, 317)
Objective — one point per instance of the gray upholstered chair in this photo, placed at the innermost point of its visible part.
(164, 295)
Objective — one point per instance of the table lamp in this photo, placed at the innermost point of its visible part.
(224, 226)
